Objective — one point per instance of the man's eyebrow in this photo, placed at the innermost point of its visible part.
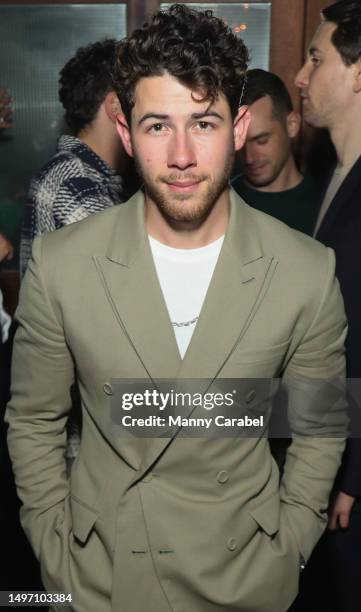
(257, 136)
(159, 116)
(207, 114)
(164, 117)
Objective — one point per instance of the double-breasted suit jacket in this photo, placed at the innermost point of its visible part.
(172, 524)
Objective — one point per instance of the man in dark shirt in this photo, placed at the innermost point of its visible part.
(270, 179)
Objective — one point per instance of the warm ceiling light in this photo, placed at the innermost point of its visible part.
(241, 27)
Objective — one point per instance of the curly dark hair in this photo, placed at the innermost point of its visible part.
(84, 82)
(346, 38)
(195, 47)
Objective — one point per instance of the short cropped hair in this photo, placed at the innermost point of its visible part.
(193, 46)
(84, 82)
(347, 36)
(261, 83)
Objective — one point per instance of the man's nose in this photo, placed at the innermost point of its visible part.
(302, 77)
(248, 154)
(181, 151)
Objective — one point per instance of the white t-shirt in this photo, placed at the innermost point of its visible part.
(184, 276)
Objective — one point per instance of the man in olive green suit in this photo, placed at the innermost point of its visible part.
(183, 281)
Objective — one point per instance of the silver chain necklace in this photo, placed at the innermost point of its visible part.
(185, 323)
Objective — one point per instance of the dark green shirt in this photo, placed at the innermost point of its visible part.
(297, 207)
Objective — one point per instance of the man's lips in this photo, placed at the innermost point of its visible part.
(183, 183)
(188, 185)
(256, 169)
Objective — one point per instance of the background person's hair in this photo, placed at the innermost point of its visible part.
(261, 83)
(347, 36)
(193, 46)
(84, 82)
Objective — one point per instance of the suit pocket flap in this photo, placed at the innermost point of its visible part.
(267, 514)
(83, 519)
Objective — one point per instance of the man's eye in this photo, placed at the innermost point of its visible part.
(205, 126)
(315, 60)
(156, 127)
(262, 141)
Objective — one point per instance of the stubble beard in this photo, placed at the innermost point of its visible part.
(171, 206)
(269, 179)
(314, 118)
(311, 118)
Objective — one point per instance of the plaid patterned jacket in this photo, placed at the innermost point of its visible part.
(74, 184)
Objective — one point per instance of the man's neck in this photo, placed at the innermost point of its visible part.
(288, 178)
(346, 137)
(105, 145)
(188, 235)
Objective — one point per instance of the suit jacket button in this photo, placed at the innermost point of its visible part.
(232, 544)
(107, 388)
(250, 396)
(222, 476)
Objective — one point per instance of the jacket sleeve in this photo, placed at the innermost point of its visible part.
(349, 476)
(317, 411)
(42, 375)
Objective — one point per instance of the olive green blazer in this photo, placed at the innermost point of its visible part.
(172, 524)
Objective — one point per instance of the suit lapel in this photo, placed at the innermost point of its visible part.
(130, 281)
(234, 294)
(339, 202)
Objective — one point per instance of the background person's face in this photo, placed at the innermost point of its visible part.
(268, 146)
(184, 149)
(325, 81)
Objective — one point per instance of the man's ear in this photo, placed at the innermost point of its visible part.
(293, 123)
(112, 106)
(240, 127)
(124, 133)
(357, 81)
